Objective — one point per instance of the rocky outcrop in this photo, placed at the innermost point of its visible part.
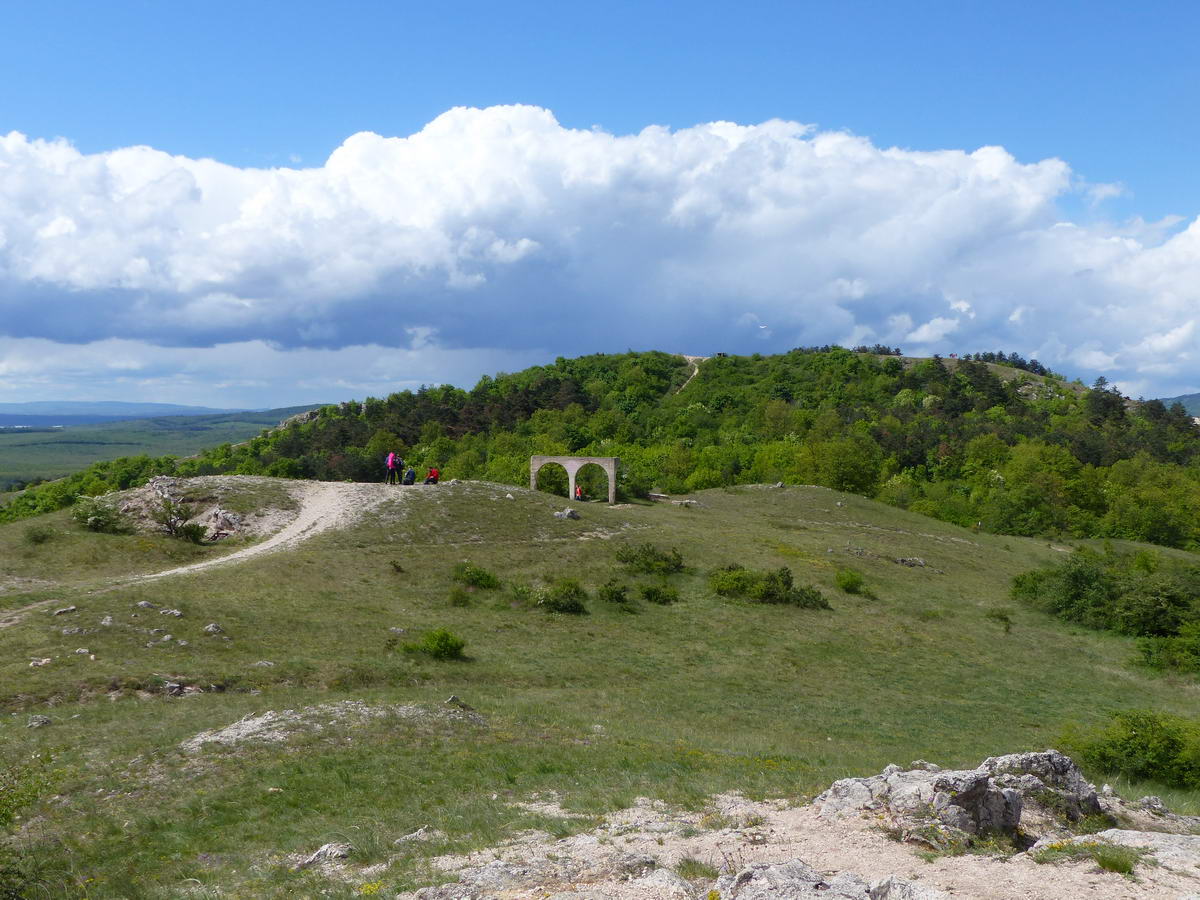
(949, 808)
(796, 880)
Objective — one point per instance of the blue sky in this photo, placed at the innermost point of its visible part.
(921, 250)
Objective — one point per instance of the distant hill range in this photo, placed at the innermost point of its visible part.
(1191, 402)
(73, 412)
(48, 445)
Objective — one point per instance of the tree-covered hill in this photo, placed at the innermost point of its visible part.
(976, 443)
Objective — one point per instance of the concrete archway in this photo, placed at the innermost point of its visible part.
(573, 464)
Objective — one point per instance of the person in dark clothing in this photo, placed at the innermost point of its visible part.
(410, 477)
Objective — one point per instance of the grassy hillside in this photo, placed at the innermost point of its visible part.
(676, 702)
(28, 455)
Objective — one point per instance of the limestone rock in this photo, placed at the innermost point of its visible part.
(424, 833)
(325, 853)
(212, 628)
(64, 610)
(106, 621)
(170, 612)
(794, 880)
(947, 808)
(1180, 852)
(567, 513)
(39, 661)
(38, 722)
(146, 604)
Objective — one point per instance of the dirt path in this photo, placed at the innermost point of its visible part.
(695, 361)
(323, 505)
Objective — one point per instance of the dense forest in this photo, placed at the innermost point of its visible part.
(988, 442)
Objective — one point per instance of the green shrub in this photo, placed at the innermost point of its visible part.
(193, 532)
(650, 560)
(613, 591)
(98, 514)
(475, 576)
(20, 785)
(565, 596)
(775, 586)
(732, 581)
(459, 596)
(1110, 857)
(38, 534)
(1133, 594)
(438, 644)
(849, 581)
(1180, 652)
(662, 594)
(693, 869)
(1145, 745)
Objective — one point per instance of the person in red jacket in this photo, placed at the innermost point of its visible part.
(433, 476)
(578, 494)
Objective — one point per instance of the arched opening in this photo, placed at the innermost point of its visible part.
(572, 465)
(592, 480)
(551, 477)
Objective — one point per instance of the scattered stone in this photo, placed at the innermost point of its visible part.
(424, 833)
(397, 630)
(454, 701)
(509, 497)
(212, 628)
(325, 853)
(913, 562)
(167, 638)
(83, 650)
(34, 663)
(686, 503)
(106, 621)
(182, 643)
(146, 604)
(778, 484)
(567, 513)
(170, 612)
(72, 629)
(173, 689)
(263, 664)
(796, 880)
(64, 610)
(157, 630)
(39, 722)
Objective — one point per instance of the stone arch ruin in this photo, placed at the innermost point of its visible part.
(573, 464)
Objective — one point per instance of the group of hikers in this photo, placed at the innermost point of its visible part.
(395, 465)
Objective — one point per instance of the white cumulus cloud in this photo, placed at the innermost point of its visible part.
(498, 228)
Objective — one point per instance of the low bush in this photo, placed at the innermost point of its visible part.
(662, 594)
(646, 559)
(38, 534)
(565, 596)
(459, 596)
(775, 586)
(475, 576)
(438, 644)
(613, 591)
(850, 581)
(21, 783)
(98, 514)
(1110, 857)
(1125, 594)
(1144, 745)
(193, 532)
